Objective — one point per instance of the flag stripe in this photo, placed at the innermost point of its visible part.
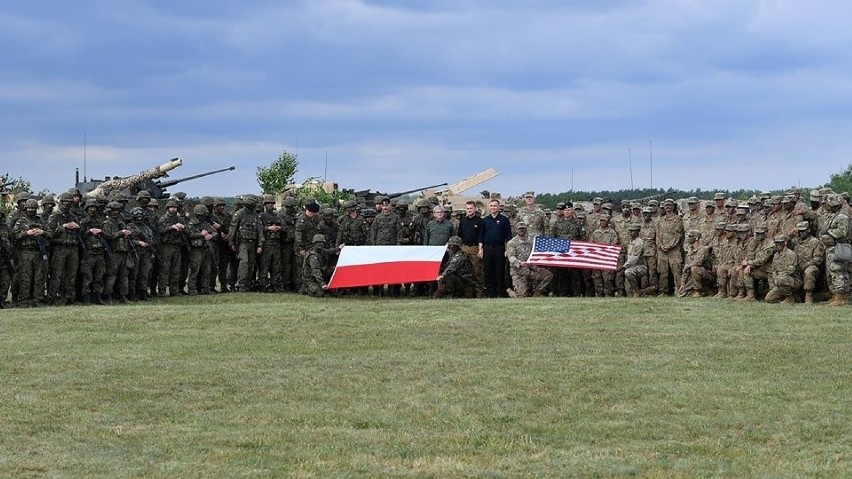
(562, 253)
(372, 265)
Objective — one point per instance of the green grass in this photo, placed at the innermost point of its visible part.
(281, 385)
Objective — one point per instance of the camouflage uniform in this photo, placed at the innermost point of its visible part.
(648, 233)
(270, 271)
(811, 254)
(604, 280)
(201, 253)
(315, 270)
(173, 240)
(288, 245)
(836, 231)
(635, 270)
(669, 238)
(567, 281)
(621, 224)
(726, 257)
(31, 262)
(535, 219)
(785, 274)
(65, 257)
(246, 237)
(93, 262)
(6, 258)
(457, 274)
(696, 275)
(144, 242)
(760, 267)
(525, 278)
(116, 234)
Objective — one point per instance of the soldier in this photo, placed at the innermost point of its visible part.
(696, 276)
(456, 279)
(736, 285)
(246, 239)
(708, 224)
(726, 257)
(271, 264)
(635, 270)
(719, 202)
(693, 217)
(306, 227)
(227, 264)
(604, 280)
(118, 238)
(525, 278)
(834, 235)
(385, 232)
(32, 256)
(758, 264)
(171, 228)
(48, 203)
(152, 218)
(773, 217)
(534, 217)
(593, 218)
(6, 258)
(93, 262)
(620, 224)
(669, 238)
(288, 244)
(785, 273)
(315, 272)
(63, 230)
(648, 234)
(201, 253)
(790, 217)
(811, 254)
(143, 241)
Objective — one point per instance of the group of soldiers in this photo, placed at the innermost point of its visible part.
(106, 250)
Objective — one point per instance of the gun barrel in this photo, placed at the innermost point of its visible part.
(167, 183)
(415, 190)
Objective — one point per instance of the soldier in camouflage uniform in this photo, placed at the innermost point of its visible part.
(648, 233)
(811, 254)
(621, 224)
(834, 235)
(118, 238)
(534, 217)
(6, 258)
(64, 232)
(31, 262)
(708, 224)
(144, 242)
(566, 281)
(525, 278)
(635, 270)
(669, 239)
(785, 273)
(758, 265)
(306, 228)
(227, 263)
(171, 228)
(604, 280)
(315, 272)
(456, 278)
(270, 272)
(693, 217)
(246, 239)
(385, 232)
(725, 256)
(48, 204)
(93, 261)
(288, 243)
(201, 253)
(696, 276)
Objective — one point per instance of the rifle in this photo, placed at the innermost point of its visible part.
(467, 281)
(44, 250)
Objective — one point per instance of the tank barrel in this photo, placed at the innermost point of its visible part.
(118, 184)
(415, 190)
(167, 183)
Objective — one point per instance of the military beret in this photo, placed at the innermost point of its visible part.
(568, 204)
(803, 226)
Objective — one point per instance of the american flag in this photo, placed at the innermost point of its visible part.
(564, 253)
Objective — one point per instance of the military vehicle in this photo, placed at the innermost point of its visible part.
(451, 195)
(366, 198)
(147, 180)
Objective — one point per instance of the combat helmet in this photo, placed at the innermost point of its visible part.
(115, 206)
(455, 241)
(31, 204)
(290, 202)
(318, 238)
(199, 210)
(206, 200)
(48, 200)
(91, 203)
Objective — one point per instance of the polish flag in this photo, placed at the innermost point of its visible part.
(371, 265)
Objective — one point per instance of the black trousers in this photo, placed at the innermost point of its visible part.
(493, 270)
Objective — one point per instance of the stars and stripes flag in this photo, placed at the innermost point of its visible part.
(565, 253)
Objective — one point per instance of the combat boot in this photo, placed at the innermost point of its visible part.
(809, 297)
(789, 300)
(839, 299)
(722, 294)
(749, 295)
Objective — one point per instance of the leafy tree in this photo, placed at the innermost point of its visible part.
(842, 181)
(274, 178)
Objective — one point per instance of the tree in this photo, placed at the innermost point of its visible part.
(842, 181)
(274, 178)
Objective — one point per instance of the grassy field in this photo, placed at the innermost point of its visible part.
(286, 386)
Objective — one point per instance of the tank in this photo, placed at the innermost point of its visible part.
(157, 188)
(451, 195)
(104, 188)
(366, 198)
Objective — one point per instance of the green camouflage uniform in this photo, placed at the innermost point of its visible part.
(65, 255)
(30, 263)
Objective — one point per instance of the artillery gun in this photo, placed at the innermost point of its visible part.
(367, 198)
(147, 180)
(451, 195)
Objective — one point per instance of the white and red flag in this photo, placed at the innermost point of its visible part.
(565, 253)
(370, 265)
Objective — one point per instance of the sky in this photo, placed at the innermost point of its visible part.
(556, 95)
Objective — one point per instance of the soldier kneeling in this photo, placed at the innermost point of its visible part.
(314, 271)
(456, 279)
